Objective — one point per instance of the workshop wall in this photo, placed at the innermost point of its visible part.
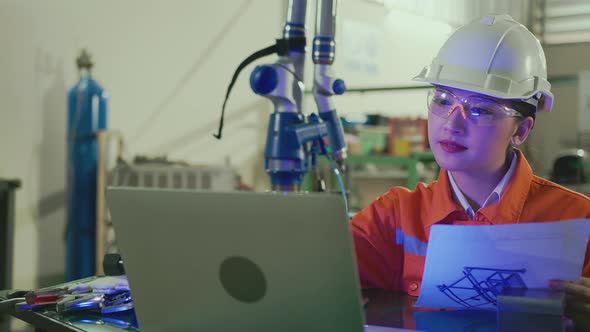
(557, 130)
(166, 67)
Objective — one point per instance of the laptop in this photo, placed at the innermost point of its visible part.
(237, 261)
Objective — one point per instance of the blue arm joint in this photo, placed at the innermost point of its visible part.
(335, 131)
(288, 156)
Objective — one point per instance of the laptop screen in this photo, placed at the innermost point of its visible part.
(238, 261)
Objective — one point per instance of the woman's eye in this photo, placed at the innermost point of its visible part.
(442, 101)
(479, 112)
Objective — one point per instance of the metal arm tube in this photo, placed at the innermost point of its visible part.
(326, 18)
(295, 28)
(296, 12)
(323, 43)
(325, 86)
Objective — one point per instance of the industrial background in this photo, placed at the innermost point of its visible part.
(165, 67)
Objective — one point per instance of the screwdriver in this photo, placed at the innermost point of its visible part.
(45, 296)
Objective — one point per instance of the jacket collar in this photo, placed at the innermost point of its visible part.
(512, 199)
(442, 200)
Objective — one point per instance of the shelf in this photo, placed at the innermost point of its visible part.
(389, 174)
(410, 171)
(392, 160)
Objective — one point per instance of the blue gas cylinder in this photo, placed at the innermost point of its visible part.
(87, 114)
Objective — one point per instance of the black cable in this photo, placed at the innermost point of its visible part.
(263, 52)
(281, 47)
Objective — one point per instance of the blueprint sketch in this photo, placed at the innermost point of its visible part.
(479, 287)
(468, 266)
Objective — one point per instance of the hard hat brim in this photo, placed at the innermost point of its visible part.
(544, 96)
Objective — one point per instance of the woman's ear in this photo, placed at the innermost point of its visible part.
(522, 131)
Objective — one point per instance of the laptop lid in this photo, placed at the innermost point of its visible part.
(211, 261)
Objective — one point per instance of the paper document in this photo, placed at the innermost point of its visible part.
(468, 266)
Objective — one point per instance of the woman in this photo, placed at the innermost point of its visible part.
(489, 80)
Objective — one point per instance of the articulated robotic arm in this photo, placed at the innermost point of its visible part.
(294, 140)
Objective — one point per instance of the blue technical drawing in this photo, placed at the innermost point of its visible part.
(481, 286)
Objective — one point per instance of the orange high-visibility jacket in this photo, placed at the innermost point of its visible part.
(391, 234)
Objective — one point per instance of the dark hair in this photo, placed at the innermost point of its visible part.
(525, 109)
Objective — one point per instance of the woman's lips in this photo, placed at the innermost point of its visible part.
(451, 147)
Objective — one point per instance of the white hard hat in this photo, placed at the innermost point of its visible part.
(495, 56)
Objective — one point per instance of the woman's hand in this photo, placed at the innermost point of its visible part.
(577, 300)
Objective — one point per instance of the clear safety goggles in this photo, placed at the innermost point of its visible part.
(478, 110)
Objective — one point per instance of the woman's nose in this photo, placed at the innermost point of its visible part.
(459, 107)
(456, 120)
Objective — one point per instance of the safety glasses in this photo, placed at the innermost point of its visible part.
(478, 110)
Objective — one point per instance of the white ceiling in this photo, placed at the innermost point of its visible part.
(459, 12)
(553, 21)
(566, 21)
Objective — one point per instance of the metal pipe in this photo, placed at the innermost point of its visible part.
(296, 11)
(326, 18)
(295, 28)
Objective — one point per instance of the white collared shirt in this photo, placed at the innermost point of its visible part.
(494, 196)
